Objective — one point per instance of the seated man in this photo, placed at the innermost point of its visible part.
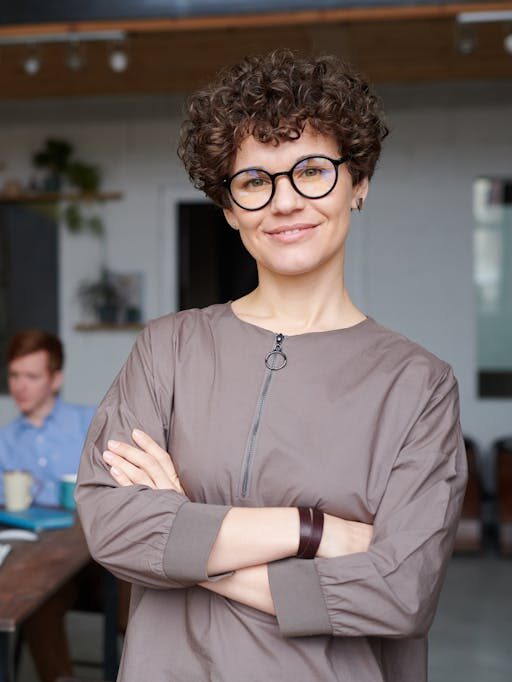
(45, 439)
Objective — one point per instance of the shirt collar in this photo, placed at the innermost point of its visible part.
(24, 423)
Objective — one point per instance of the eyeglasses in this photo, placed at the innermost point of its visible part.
(313, 177)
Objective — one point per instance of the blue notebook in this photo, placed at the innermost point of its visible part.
(37, 518)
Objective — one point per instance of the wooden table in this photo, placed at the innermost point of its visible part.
(32, 573)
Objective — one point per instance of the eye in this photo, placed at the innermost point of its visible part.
(314, 169)
(254, 183)
(309, 172)
(251, 181)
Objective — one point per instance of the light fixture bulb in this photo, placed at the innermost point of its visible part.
(507, 43)
(75, 59)
(118, 60)
(467, 44)
(32, 65)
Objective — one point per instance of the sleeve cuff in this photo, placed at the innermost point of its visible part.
(298, 599)
(192, 535)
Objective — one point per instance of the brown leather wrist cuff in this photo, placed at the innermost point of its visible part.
(311, 529)
(305, 528)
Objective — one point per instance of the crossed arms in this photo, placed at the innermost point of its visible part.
(248, 538)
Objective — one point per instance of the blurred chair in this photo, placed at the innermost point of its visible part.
(469, 531)
(503, 451)
(100, 591)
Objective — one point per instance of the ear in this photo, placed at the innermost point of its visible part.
(359, 191)
(57, 381)
(230, 218)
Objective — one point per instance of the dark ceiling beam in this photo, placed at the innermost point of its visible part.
(269, 19)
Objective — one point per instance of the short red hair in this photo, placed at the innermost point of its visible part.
(33, 340)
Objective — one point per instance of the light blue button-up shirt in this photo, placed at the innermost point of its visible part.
(48, 451)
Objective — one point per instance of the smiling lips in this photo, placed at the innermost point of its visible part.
(291, 233)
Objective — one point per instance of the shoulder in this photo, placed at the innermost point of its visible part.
(409, 361)
(83, 413)
(183, 324)
(9, 430)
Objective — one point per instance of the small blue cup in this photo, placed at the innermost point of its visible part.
(67, 485)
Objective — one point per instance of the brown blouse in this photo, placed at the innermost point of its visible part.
(361, 422)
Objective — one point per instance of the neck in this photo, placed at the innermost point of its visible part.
(37, 416)
(313, 301)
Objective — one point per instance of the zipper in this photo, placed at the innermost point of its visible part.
(274, 361)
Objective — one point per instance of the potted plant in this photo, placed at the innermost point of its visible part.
(101, 298)
(55, 157)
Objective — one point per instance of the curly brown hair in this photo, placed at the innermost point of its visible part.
(273, 97)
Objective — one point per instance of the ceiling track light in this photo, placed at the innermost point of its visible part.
(118, 58)
(468, 21)
(75, 59)
(467, 44)
(507, 42)
(32, 62)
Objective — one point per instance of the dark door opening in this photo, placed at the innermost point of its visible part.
(28, 274)
(213, 264)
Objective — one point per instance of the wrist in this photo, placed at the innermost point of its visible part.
(311, 522)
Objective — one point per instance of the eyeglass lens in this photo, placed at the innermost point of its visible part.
(312, 177)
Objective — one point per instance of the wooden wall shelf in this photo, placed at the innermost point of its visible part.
(104, 327)
(50, 197)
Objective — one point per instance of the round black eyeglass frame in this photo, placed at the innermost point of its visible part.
(289, 174)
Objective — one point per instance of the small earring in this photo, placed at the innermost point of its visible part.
(359, 204)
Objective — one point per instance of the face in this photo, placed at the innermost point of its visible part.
(294, 235)
(31, 384)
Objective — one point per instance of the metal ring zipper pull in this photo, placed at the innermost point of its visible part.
(276, 353)
(273, 355)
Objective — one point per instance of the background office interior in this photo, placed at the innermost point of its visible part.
(410, 258)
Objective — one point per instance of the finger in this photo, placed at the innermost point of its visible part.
(149, 445)
(142, 460)
(146, 463)
(126, 472)
(164, 458)
(121, 478)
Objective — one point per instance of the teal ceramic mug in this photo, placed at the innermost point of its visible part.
(67, 485)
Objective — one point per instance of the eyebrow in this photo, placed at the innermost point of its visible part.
(301, 158)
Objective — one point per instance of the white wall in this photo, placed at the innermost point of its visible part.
(410, 256)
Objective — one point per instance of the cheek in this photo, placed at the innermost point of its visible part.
(38, 386)
(249, 233)
(249, 242)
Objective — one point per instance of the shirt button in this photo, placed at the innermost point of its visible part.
(42, 461)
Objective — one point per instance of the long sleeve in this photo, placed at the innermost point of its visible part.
(392, 590)
(156, 538)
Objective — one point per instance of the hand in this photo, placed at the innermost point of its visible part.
(342, 537)
(148, 464)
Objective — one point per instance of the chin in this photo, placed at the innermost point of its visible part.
(24, 406)
(294, 268)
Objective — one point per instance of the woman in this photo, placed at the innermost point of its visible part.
(225, 420)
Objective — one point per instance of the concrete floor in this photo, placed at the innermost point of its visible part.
(470, 640)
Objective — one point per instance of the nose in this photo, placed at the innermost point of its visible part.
(286, 199)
